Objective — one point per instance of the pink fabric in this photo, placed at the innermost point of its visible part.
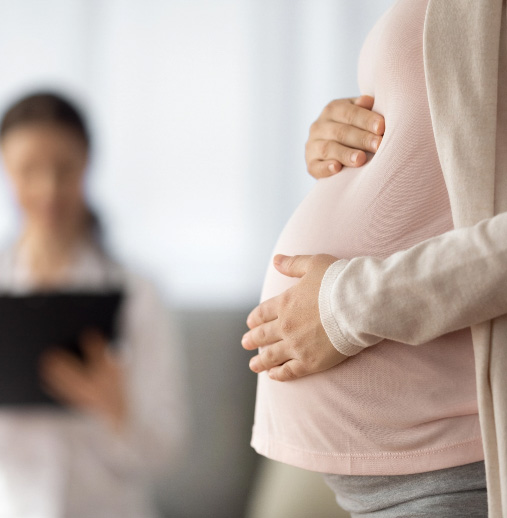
(394, 408)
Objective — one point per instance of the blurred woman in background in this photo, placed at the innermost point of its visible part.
(101, 459)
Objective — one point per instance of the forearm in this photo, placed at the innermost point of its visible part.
(441, 285)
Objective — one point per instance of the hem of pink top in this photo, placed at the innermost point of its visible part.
(389, 463)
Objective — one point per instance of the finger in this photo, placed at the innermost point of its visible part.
(324, 168)
(62, 368)
(349, 136)
(67, 392)
(289, 371)
(333, 167)
(365, 101)
(293, 266)
(93, 336)
(331, 149)
(65, 380)
(264, 312)
(270, 356)
(94, 346)
(362, 118)
(265, 334)
(56, 360)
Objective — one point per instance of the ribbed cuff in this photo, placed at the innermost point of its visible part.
(327, 316)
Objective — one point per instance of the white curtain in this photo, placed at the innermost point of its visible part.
(200, 110)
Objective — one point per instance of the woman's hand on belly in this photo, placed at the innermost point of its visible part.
(288, 327)
(345, 129)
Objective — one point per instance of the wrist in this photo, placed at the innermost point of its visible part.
(327, 315)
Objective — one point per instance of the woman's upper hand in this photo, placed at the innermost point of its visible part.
(345, 129)
(94, 385)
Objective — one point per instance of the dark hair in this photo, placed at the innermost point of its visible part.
(45, 107)
(48, 107)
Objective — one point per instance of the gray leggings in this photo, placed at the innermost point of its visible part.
(458, 492)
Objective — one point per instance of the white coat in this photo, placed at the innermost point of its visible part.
(71, 465)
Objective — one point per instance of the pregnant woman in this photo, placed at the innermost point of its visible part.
(413, 277)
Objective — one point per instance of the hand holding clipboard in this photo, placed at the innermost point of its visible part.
(94, 384)
(31, 325)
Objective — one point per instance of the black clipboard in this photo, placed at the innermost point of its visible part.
(30, 324)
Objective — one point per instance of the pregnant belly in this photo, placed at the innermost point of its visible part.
(369, 211)
(317, 226)
(384, 398)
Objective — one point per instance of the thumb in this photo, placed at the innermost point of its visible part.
(94, 346)
(292, 266)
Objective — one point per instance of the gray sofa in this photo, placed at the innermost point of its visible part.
(220, 467)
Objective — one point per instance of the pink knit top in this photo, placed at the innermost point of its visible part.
(394, 408)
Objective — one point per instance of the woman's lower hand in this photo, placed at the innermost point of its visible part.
(95, 385)
(288, 327)
(345, 129)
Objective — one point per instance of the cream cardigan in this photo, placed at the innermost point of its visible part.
(458, 279)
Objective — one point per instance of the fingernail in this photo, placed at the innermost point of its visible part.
(376, 126)
(278, 259)
(354, 156)
(375, 143)
(252, 364)
(332, 168)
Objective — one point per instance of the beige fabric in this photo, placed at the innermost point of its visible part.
(458, 279)
(462, 42)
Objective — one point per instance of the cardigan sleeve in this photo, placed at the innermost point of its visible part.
(443, 284)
